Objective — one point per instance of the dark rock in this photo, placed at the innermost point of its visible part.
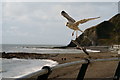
(23, 55)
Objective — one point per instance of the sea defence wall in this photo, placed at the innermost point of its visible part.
(46, 73)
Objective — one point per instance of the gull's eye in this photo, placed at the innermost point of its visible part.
(66, 24)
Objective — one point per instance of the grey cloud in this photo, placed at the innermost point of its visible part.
(42, 23)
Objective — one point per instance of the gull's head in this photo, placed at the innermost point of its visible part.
(67, 24)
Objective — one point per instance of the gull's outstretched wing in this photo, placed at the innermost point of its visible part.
(63, 13)
(85, 20)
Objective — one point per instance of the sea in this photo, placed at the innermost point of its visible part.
(41, 49)
(15, 68)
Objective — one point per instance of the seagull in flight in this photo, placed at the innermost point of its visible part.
(72, 24)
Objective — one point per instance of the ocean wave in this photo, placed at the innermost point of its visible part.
(15, 68)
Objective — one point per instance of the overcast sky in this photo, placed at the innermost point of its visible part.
(42, 23)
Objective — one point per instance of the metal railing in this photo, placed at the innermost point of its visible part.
(46, 70)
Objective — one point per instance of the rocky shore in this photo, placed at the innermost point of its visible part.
(23, 55)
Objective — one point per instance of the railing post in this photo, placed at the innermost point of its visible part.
(83, 70)
(117, 73)
(45, 76)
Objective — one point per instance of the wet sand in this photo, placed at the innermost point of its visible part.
(95, 71)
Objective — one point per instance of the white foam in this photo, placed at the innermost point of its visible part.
(89, 50)
(15, 68)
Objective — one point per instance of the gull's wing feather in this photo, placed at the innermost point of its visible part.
(85, 20)
(70, 19)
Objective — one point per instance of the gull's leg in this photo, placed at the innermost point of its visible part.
(73, 33)
(76, 33)
(80, 30)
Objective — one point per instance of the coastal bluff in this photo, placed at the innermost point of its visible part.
(106, 33)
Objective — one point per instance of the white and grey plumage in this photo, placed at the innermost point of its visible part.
(72, 24)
